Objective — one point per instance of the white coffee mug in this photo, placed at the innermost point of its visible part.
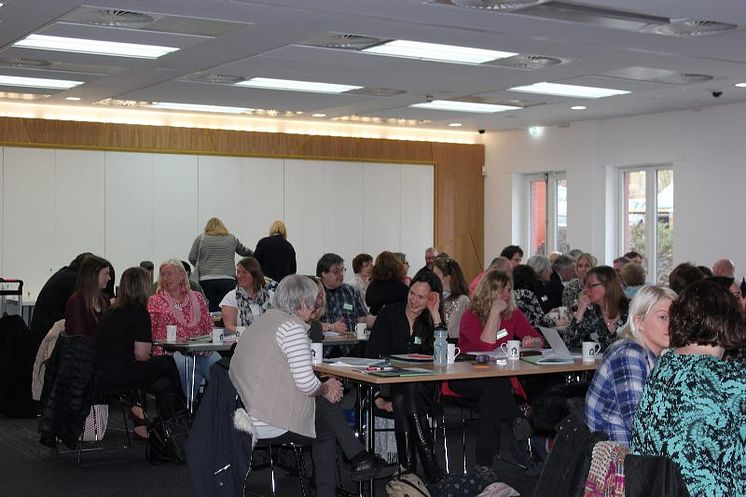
(512, 349)
(360, 331)
(317, 353)
(239, 331)
(453, 353)
(171, 333)
(217, 335)
(590, 349)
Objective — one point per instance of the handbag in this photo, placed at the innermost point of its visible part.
(195, 272)
(95, 424)
(407, 485)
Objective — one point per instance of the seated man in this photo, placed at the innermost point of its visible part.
(272, 372)
(344, 304)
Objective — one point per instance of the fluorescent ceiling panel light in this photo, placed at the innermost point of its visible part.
(568, 90)
(52, 84)
(72, 99)
(437, 52)
(199, 107)
(98, 47)
(293, 85)
(740, 85)
(318, 114)
(457, 106)
(578, 107)
(455, 125)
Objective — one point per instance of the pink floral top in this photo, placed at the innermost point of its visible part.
(192, 318)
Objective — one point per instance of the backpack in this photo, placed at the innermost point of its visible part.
(459, 485)
(406, 485)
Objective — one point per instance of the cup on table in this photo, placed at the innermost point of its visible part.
(239, 331)
(512, 349)
(171, 333)
(453, 353)
(360, 331)
(590, 349)
(317, 353)
(217, 335)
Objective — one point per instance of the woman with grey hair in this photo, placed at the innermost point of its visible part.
(616, 388)
(273, 373)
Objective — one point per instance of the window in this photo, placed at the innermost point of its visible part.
(647, 218)
(546, 196)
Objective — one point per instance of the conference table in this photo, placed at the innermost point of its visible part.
(462, 370)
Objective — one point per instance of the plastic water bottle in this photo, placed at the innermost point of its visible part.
(440, 347)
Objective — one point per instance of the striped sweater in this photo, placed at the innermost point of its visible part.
(213, 255)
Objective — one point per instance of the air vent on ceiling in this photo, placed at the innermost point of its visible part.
(108, 17)
(120, 102)
(376, 92)
(691, 27)
(192, 26)
(527, 62)
(684, 78)
(343, 41)
(24, 62)
(656, 75)
(515, 102)
(497, 5)
(596, 16)
(215, 78)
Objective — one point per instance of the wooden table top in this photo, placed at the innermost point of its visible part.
(466, 370)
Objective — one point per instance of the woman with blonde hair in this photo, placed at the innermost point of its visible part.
(275, 253)
(212, 255)
(584, 263)
(616, 388)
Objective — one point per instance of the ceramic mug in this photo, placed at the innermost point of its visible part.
(512, 349)
(590, 349)
(361, 331)
(171, 333)
(453, 353)
(217, 335)
(239, 331)
(317, 353)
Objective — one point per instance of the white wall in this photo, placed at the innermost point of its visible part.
(130, 207)
(706, 149)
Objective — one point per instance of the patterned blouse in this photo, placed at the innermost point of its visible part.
(528, 303)
(453, 309)
(571, 293)
(592, 328)
(192, 318)
(693, 410)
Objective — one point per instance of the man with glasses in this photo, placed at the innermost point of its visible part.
(344, 304)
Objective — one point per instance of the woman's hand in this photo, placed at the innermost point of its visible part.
(384, 405)
(498, 306)
(333, 390)
(338, 326)
(531, 343)
(433, 305)
(583, 302)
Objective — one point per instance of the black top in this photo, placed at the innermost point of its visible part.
(50, 304)
(120, 329)
(550, 293)
(390, 334)
(276, 256)
(381, 293)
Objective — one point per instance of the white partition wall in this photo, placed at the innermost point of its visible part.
(130, 207)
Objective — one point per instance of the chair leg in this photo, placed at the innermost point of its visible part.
(301, 464)
(272, 471)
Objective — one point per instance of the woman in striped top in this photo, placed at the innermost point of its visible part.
(212, 254)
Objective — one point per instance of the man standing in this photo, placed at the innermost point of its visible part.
(724, 267)
(430, 254)
(344, 304)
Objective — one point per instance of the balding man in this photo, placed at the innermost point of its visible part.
(499, 263)
(430, 254)
(724, 267)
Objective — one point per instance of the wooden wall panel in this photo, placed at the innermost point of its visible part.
(459, 186)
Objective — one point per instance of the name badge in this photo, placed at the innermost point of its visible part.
(417, 341)
(544, 298)
(347, 307)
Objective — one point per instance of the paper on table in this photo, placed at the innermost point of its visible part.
(353, 361)
(330, 334)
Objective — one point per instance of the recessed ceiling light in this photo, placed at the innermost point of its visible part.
(293, 85)
(98, 47)
(457, 106)
(318, 114)
(455, 125)
(54, 84)
(578, 107)
(740, 85)
(568, 90)
(199, 107)
(437, 52)
(72, 99)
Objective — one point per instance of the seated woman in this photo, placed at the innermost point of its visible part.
(602, 310)
(571, 293)
(250, 298)
(84, 308)
(492, 309)
(616, 388)
(272, 371)
(455, 292)
(176, 304)
(362, 266)
(692, 407)
(386, 285)
(124, 346)
(402, 328)
(525, 286)
(632, 275)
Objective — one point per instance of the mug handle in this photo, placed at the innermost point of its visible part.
(596, 348)
(504, 348)
(456, 352)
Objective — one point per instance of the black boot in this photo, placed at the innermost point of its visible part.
(406, 452)
(423, 438)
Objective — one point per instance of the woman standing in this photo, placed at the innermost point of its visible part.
(249, 299)
(275, 253)
(174, 303)
(455, 292)
(84, 308)
(602, 310)
(692, 408)
(584, 263)
(386, 285)
(616, 388)
(212, 256)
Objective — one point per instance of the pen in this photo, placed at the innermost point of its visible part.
(374, 368)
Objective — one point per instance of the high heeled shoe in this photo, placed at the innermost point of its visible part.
(139, 422)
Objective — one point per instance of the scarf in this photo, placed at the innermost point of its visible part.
(177, 309)
(244, 303)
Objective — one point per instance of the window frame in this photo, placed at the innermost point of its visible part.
(551, 180)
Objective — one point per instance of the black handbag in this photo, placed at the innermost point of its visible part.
(167, 439)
